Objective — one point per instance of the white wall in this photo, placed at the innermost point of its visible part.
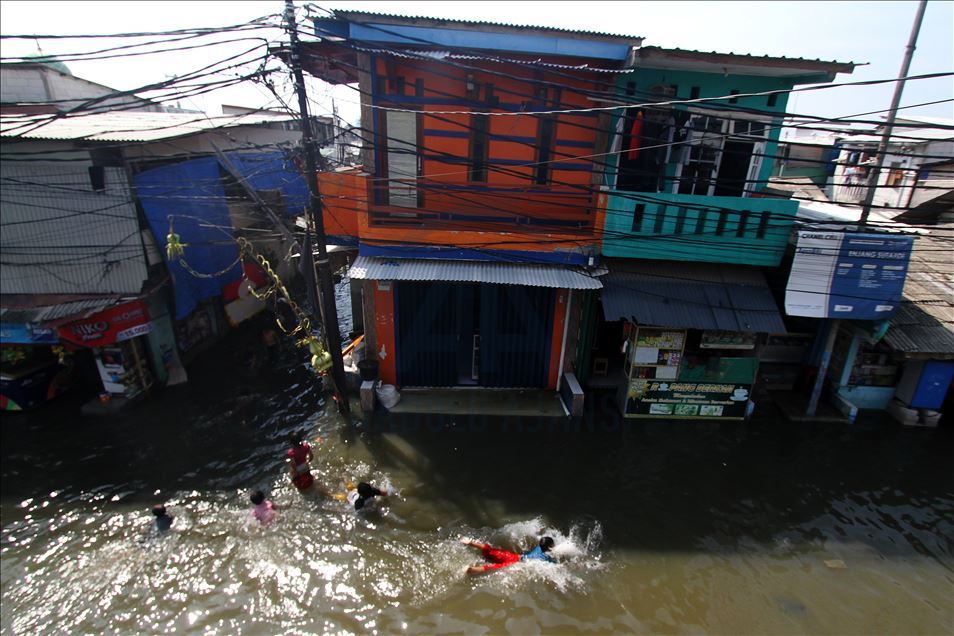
(35, 83)
(60, 236)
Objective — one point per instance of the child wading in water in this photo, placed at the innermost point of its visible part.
(299, 456)
(362, 497)
(163, 518)
(264, 510)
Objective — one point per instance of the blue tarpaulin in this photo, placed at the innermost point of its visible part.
(274, 171)
(191, 193)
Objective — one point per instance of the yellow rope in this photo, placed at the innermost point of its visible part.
(320, 358)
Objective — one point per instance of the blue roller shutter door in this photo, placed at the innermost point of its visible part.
(426, 333)
(516, 326)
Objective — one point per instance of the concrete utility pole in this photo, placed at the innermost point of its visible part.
(329, 311)
(889, 121)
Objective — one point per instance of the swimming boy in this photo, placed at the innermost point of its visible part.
(363, 495)
(502, 558)
(264, 510)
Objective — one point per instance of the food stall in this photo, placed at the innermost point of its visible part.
(687, 373)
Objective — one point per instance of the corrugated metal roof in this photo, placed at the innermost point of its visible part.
(416, 54)
(125, 126)
(904, 136)
(749, 56)
(347, 14)
(49, 313)
(924, 322)
(690, 296)
(375, 268)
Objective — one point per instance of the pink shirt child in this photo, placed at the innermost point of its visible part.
(265, 512)
(264, 509)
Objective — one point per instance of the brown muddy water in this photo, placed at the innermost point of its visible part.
(662, 528)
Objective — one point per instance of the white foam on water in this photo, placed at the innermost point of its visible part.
(576, 553)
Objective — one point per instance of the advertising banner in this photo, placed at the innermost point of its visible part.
(686, 399)
(109, 326)
(28, 333)
(847, 275)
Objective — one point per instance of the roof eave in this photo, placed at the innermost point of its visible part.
(476, 25)
(808, 70)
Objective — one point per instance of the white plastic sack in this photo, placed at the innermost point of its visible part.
(387, 395)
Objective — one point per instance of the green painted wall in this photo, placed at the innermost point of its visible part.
(670, 227)
(685, 227)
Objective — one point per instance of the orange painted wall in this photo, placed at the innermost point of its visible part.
(433, 87)
(384, 325)
(442, 82)
(556, 343)
(343, 199)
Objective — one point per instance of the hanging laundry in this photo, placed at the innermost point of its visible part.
(635, 132)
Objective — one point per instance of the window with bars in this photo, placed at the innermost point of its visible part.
(479, 144)
(402, 159)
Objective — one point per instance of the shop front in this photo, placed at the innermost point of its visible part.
(862, 373)
(692, 338)
(444, 324)
(854, 282)
(118, 339)
(30, 368)
(688, 374)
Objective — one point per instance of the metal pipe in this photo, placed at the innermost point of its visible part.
(875, 173)
(833, 326)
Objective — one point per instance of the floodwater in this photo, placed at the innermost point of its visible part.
(663, 528)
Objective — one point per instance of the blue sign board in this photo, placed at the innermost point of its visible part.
(847, 275)
(17, 333)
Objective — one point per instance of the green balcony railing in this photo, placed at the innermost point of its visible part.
(685, 227)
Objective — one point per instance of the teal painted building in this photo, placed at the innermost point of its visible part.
(685, 312)
(685, 179)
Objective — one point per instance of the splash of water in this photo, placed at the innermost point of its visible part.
(576, 552)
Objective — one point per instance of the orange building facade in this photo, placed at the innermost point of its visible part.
(489, 216)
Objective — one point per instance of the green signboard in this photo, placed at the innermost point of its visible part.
(686, 400)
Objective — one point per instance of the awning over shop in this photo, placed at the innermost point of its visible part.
(116, 324)
(922, 331)
(37, 324)
(375, 268)
(690, 296)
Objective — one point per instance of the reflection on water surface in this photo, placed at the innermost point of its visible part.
(663, 527)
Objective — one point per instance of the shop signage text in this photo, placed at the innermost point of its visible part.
(847, 275)
(686, 399)
(112, 325)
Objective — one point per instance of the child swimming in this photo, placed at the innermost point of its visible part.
(362, 497)
(502, 558)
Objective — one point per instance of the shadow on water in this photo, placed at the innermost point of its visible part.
(659, 486)
(682, 486)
